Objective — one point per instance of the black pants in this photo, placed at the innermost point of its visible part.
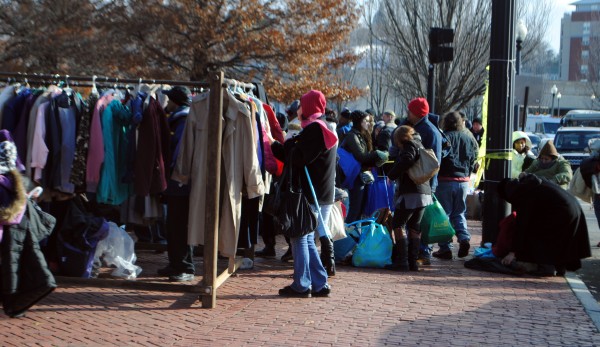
(178, 249)
(269, 230)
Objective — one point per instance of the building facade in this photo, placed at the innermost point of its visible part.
(580, 42)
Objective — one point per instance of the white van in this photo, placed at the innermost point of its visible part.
(544, 126)
(581, 118)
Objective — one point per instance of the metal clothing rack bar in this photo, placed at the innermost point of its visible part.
(99, 79)
(207, 287)
(231, 82)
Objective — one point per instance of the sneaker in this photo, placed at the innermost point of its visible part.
(446, 255)
(182, 277)
(287, 256)
(166, 271)
(324, 292)
(267, 252)
(291, 293)
(463, 249)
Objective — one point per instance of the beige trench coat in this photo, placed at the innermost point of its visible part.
(240, 167)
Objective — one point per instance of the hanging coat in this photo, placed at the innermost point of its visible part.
(241, 171)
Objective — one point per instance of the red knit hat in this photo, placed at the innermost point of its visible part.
(419, 107)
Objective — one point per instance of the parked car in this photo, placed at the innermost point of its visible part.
(573, 143)
(535, 142)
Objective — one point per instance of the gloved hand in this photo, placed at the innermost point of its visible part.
(383, 157)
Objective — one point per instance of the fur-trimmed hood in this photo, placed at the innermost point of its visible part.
(12, 196)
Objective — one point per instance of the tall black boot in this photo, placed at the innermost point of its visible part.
(399, 255)
(414, 243)
(327, 255)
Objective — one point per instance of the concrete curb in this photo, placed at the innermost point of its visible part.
(591, 306)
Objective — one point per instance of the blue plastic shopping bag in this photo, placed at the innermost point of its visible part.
(380, 194)
(374, 247)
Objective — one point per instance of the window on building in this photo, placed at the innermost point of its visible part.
(584, 70)
(586, 28)
(585, 54)
(585, 41)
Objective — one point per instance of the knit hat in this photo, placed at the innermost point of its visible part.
(419, 107)
(291, 110)
(357, 117)
(549, 150)
(180, 95)
(8, 152)
(346, 113)
(370, 111)
(477, 120)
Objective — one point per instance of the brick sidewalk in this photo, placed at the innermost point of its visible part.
(444, 305)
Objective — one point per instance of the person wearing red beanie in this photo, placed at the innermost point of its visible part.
(420, 119)
(419, 107)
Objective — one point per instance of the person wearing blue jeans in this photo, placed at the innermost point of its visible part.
(453, 181)
(312, 154)
(308, 269)
(452, 195)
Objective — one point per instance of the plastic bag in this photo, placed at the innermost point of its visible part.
(118, 249)
(374, 247)
(344, 248)
(335, 223)
(379, 194)
(435, 225)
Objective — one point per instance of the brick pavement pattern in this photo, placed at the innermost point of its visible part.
(444, 305)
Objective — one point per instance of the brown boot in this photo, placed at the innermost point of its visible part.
(414, 242)
(400, 256)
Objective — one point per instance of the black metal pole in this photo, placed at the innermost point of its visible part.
(525, 105)
(431, 88)
(500, 114)
(518, 63)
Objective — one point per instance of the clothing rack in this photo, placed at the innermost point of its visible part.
(207, 287)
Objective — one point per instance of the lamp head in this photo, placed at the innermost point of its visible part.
(558, 96)
(521, 31)
(553, 90)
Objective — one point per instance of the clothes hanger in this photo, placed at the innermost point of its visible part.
(94, 88)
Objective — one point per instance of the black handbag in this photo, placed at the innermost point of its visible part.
(294, 214)
(272, 202)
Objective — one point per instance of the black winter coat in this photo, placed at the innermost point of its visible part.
(399, 172)
(551, 227)
(25, 278)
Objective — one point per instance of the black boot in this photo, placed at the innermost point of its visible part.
(399, 255)
(327, 255)
(414, 243)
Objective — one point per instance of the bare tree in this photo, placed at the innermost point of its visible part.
(403, 26)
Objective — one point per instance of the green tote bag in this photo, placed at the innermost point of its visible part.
(435, 225)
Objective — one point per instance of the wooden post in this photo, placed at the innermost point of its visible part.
(209, 297)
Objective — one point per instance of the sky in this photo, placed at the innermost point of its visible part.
(553, 33)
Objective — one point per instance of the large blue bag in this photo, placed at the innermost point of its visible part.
(380, 194)
(374, 247)
(349, 167)
(343, 248)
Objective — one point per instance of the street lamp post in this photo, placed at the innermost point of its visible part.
(593, 98)
(520, 33)
(558, 96)
(553, 90)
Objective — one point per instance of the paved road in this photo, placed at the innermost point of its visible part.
(445, 305)
(590, 271)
